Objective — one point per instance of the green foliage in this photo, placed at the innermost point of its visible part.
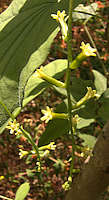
(23, 49)
(84, 122)
(100, 82)
(54, 69)
(77, 91)
(88, 112)
(88, 140)
(80, 11)
(22, 191)
(58, 127)
(55, 128)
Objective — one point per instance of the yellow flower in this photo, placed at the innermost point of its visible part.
(22, 153)
(13, 126)
(47, 114)
(90, 93)
(1, 178)
(87, 50)
(60, 18)
(44, 153)
(51, 146)
(38, 166)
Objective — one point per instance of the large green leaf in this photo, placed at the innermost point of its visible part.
(22, 191)
(27, 31)
(36, 86)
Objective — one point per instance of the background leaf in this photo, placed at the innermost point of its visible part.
(91, 9)
(100, 82)
(79, 87)
(84, 122)
(22, 191)
(89, 140)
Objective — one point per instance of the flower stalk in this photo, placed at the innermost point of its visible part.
(49, 115)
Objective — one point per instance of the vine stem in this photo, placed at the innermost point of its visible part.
(68, 75)
(93, 44)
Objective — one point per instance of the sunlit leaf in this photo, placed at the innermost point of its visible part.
(85, 12)
(22, 191)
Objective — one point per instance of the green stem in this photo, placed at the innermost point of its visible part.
(68, 75)
(31, 141)
(93, 44)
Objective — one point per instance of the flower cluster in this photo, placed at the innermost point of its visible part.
(14, 128)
